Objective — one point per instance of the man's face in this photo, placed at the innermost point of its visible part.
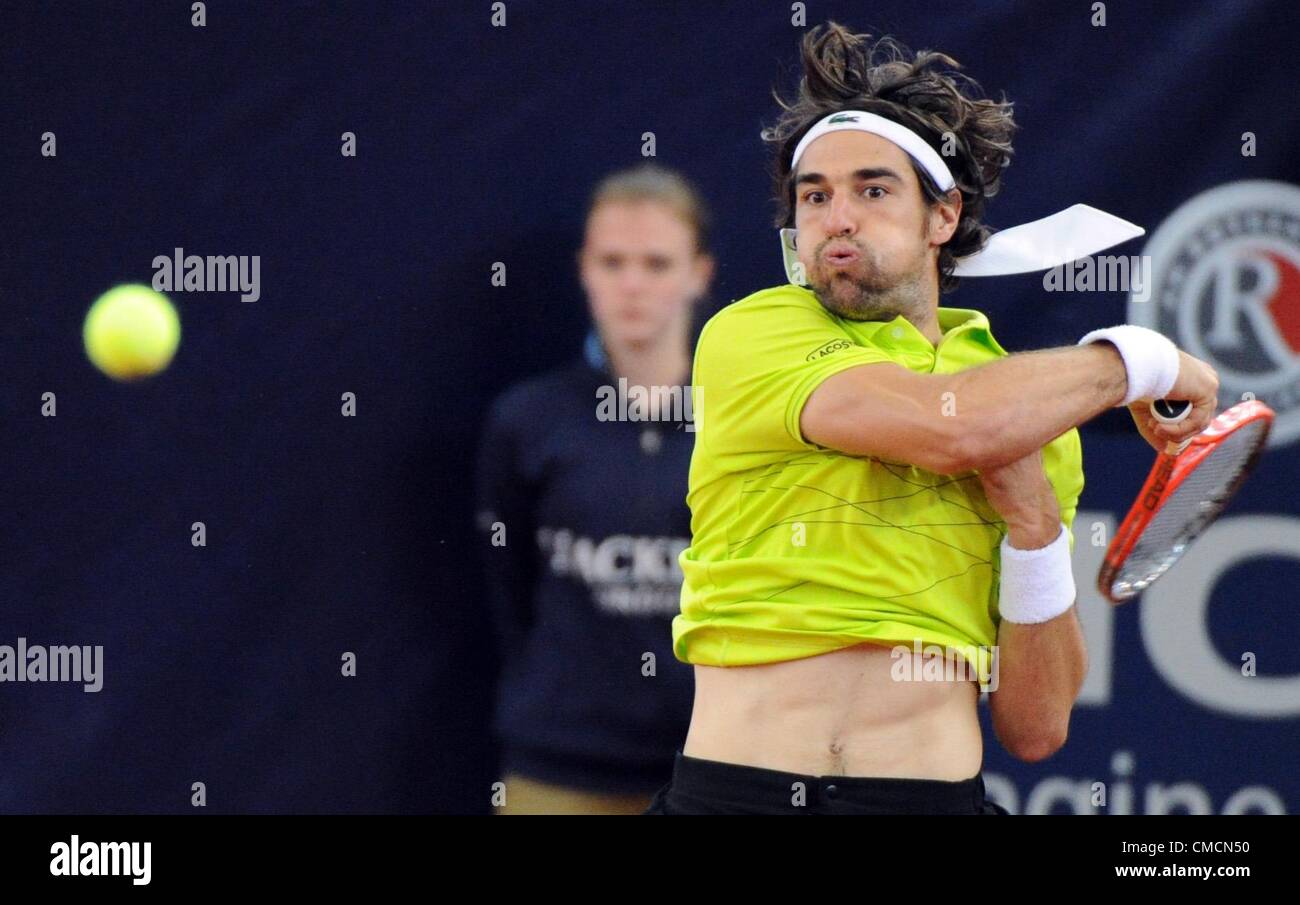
(867, 240)
(641, 271)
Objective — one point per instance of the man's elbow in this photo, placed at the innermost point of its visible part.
(961, 446)
(1037, 745)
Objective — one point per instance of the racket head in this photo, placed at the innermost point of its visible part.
(1182, 496)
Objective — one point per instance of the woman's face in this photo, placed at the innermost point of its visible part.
(640, 270)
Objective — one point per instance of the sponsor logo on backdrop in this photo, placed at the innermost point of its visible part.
(1226, 288)
(1202, 667)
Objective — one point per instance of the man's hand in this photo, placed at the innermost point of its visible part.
(1022, 495)
(1196, 381)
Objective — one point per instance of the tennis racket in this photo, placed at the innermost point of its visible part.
(1189, 485)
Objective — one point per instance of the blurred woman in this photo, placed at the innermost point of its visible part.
(581, 497)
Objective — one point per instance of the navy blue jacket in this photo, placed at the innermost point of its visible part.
(585, 587)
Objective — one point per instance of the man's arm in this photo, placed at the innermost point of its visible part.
(997, 413)
(1041, 666)
(1040, 672)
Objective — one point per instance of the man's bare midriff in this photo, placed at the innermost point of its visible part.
(841, 714)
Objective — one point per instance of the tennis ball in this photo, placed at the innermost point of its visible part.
(131, 332)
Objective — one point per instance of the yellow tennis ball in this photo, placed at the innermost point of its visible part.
(131, 332)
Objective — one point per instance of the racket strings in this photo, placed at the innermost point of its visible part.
(1191, 506)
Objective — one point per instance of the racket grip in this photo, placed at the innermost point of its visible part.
(1170, 411)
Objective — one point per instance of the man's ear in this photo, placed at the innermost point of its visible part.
(944, 217)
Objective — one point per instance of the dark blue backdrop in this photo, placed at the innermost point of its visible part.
(476, 145)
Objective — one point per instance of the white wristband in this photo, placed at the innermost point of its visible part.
(1150, 358)
(1037, 585)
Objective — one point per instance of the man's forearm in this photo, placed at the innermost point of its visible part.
(1040, 671)
(1006, 409)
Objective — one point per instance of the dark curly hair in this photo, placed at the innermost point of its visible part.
(923, 91)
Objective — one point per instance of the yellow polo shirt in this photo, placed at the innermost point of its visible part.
(796, 549)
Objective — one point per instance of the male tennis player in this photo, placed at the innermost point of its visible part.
(873, 473)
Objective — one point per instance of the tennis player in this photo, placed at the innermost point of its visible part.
(875, 479)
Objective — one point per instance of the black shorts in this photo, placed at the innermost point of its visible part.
(711, 787)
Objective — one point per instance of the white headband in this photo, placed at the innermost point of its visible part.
(1067, 235)
(860, 121)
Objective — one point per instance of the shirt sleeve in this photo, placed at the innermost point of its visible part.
(505, 522)
(757, 363)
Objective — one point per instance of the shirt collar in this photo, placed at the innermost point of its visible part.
(961, 324)
(956, 321)
(952, 323)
